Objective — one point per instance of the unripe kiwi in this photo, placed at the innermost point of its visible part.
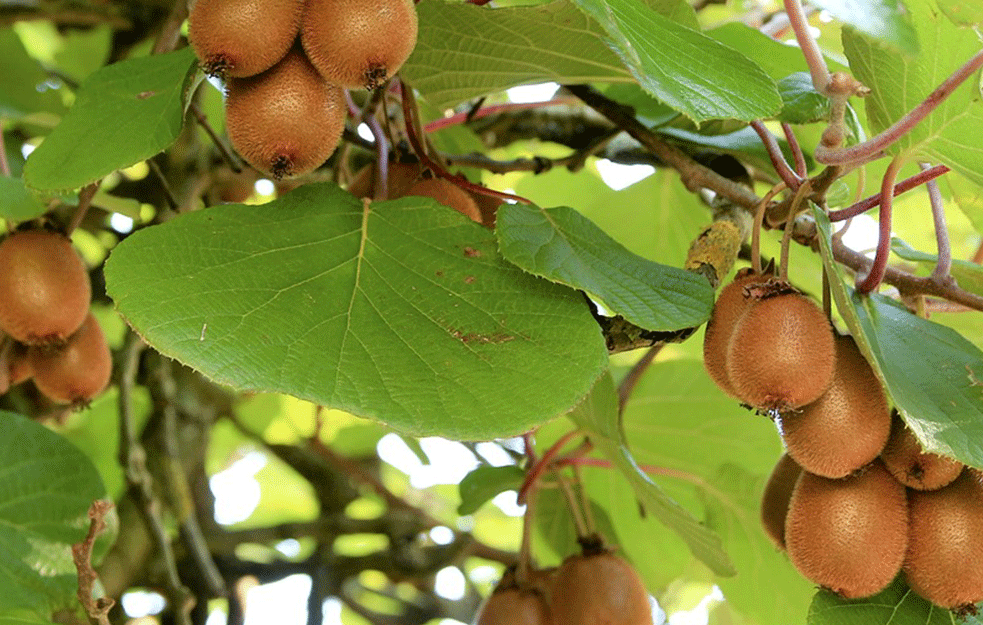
(44, 287)
(243, 37)
(904, 458)
(781, 353)
(77, 371)
(401, 177)
(776, 498)
(599, 589)
(847, 426)
(730, 306)
(287, 120)
(848, 535)
(945, 554)
(448, 194)
(359, 44)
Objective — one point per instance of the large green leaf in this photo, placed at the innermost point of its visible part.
(125, 113)
(399, 311)
(562, 245)
(17, 203)
(886, 21)
(950, 134)
(896, 605)
(23, 83)
(46, 487)
(932, 374)
(968, 275)
(691, 72)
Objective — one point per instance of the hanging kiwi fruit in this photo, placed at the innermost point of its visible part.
(776, 498)
(75, 372)
(599, 587)
(448, 194)
(904, 458)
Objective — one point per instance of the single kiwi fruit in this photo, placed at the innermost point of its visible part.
(76, 372)
(488, 206)
(599, 588)
(18, 366)
(286, 121)
(243, 37)
(448, 194)
(944, 563)
(848, 535)
(729, 307)
(848, 426)
(904, 458)
(359, 44)
(776, 497)
(781, 354)
(44, 287)
(401, 177)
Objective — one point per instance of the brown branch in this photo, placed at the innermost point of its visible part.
(97, 609)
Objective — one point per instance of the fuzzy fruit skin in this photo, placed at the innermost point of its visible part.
(945, 554)
(401, 177)
(848, 535)
(242, 38)
(359, 44)
(513, 607)
(448, 194)
(776, 497)
(730, 306)
(904, 458)
(77, 371)
(848, 426)
(44, 287)
(781, 353)
(600, 589)
(286, 121)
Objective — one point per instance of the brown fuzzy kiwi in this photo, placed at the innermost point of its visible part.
(599, 588)
(488, 207)
(359, 44)
(847, 426)
(77, 371)
(781, 353)
(243, 37)
(776, 497)
(448, 194)
(848, 535)
(904, 458)
(730, 306)
(44, 287)
(944, 563)
(287, 120)
(401, 177)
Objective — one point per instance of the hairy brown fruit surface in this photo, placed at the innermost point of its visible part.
(776, 498)
(287, 120)
(730, 306)
(44, 287)
(600, 589)
(781, 354)
(904, 458)
(848, 535)
(847, 426)
(359, 44)
(77, 371)
(513, 606)
(448, 194)
(243, 37)
(945, 555)
(401, 177)
(488, 207)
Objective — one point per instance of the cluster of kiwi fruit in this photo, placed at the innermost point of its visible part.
(47, 332)
(286, 63)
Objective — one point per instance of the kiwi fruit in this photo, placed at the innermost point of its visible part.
(514, 606)
(401, 177)
(359, 44)
(848, 535)
(729, 307)
(488, 207)
(243, 37)
(776, 497)
(76, 372)
(599, 588)
(448, 194)
(848, 426)
(904, 458)
(286, 121)
(44, 287)
(781, 354)
(944, 563)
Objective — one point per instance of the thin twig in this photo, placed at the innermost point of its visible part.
(467, 116)
(170, 34)
(85, 201)
(164, 184)
(792, 181)
(905, 185)
(793, 212)
(223, 149)
(796, 149)
(536, 471)
(96, 609)
(630, 381)
(869, 283)
(759, 215)
(4, 165)
(810, 49)
(944, 264)
(575, 511)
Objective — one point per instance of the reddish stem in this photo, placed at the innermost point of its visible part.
(4, 165)
(775, 154)
(793, 145)
(537, 469)
(460, 118)
(905, 185)
(810, 49)
(944, 264)
(876, 274)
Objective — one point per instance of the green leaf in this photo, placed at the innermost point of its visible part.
(968, 197)
(931, 373)
(898, 84)
(886, 21)
(802, 104)
(963, 12)
(399, 311)
(968, 275)
(46, 488)
(464, 51)
(484, 483)
(23, 83)
(599, 415)
(562, 245)
(16, 202)
(695, 74)
(897, 605)
(125, 113)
